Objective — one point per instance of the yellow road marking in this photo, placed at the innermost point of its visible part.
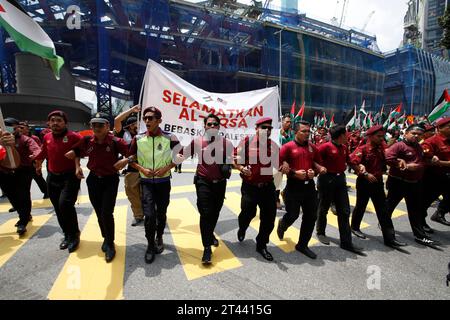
(35, 204)
(86, 275)
(10, 242)
(183, 221)
(290, 239)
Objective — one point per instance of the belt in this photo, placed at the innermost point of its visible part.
(405, 180)
(62, 173)
(260, 184)
(298, 181)
(103, 177)
(336, 174)
(211, 181)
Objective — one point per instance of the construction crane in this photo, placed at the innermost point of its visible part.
(344, 13)
(338, 22)
(367, 21)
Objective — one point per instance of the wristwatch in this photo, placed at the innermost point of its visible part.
(365, 174)
(130, 160)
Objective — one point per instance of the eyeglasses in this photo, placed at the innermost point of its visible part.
(149, 118)
(212, 124)
(266, 127)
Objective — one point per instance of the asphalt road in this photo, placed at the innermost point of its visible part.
(33, 267)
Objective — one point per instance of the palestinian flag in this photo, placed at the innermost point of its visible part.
(442, 108)
(352, 122)
(315, 119)
(293, 110)
(27, 34)
(332, 123)
(323, 121)
(392, 115)
(301, 112)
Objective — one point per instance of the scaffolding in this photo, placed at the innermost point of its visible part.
(221, 46)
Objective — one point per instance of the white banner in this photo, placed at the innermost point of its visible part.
(184, 106)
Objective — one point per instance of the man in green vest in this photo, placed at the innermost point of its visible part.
(151, 154)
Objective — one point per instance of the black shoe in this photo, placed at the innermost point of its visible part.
(64, 243)
(395, 243)
(436, 217)
(110, 252)
(215, 242)
(427, 228)
(306, 251)
(265, 254)
(354, 249)
(280, 231)
(74, 242)
(324, 239)
(207, 253)
(104, 246)
(30, 218)
(12, 209)
(359, 234)
(159, 245)
(150, 255)
(427, 242)
(46, 196)
(137, 222)
(241, 235)
(21, 229)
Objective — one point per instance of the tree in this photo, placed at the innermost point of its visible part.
(444, 22)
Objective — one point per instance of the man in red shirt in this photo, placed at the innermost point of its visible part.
(405, 159)
(63, 184)
(332, 187)
(16, 182)
(437, 176)
(369, 163)
(300, 158)
(103, 181)
(255, 158)
(39, 179)
(214, 152)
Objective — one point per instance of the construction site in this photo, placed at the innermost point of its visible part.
(217, 45)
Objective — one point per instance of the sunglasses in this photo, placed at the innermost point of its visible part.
(266, 127)
(150, 118)
(212, 124)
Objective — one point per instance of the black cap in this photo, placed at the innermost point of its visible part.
(11, 121)
(100, 117)
(130, 121)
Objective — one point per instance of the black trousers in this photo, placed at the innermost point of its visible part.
(298, 194)
(264, 197)
(434, 186)
(63, 192)
(413, 193)
(333, 188)
(374, 191)
(155, 200)
(210, 198)
(102, 194)
(40, 181)
(16, 187)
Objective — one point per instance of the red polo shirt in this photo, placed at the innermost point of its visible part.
(102, 156)
(372, 157)
(208, 152)
(298, 156)
(334, 157)
(439, 146)
(261, 157)
(26, 147)
(411, 153)
(55, 147)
